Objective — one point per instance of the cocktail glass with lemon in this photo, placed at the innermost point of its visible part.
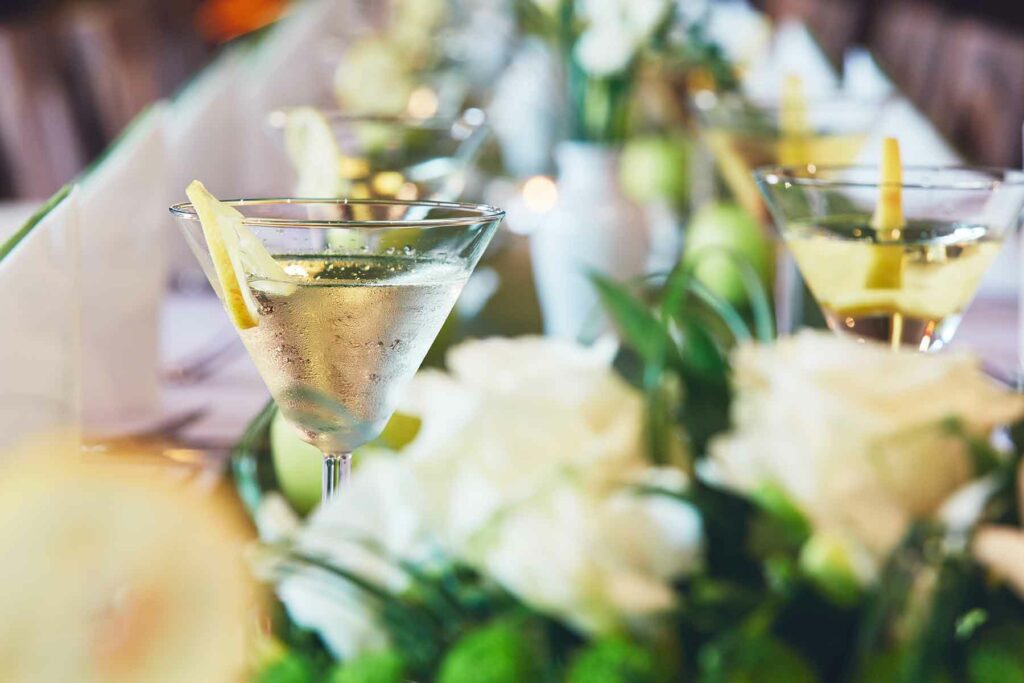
(337, 301)
(739, 134)
(376, 157)
(893, 254)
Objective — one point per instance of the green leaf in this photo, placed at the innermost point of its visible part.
(723, 309)
(757, 297)
(998, 656)
(921, 595)
(762, 659)
(638, 325)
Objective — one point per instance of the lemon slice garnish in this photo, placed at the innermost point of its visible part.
(887, 267)
(234, 251)
(315, 154)
(794, 125)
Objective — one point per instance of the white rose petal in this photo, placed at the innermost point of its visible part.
(644, 16)
(275, 519)
(852, 433)
(595, 561)
(605, 49)
(343, 617)
(1001, 549)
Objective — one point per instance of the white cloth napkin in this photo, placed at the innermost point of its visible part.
(39, 347)
(206, 136)
(793, 52)
(123, 220)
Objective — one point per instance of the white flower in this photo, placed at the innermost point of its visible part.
(373, 523)
(513, 417)
(644, 16)
(527, 461)
(605, 49)
(852, 433)
(1001, 550)
(597, 561)
(527, 466)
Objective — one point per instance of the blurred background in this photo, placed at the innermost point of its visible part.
(76, 72)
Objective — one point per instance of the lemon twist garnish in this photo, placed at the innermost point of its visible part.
(735, 172)
(313, 150)
(794, 126)
(887, 268)
(234, 251)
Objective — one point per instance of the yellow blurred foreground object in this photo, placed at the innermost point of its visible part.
(112, 573)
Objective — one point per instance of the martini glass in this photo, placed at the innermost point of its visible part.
(380, 157)
(740, 133)
(909, 287)
(370, 282)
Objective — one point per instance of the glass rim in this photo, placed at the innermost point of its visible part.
(278, 117)
(483, 213)
(772, 174)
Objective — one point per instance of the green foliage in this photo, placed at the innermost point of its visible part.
(507, 650)
(754, 660)
(375, 667)
(998, 655)
(291, 667)
(613, 660)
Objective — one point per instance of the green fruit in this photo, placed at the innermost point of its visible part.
(718, 234)
(613, 660)
(504, 651)
(297, 465)
(399, 432)
(375, 667)
(653, 168)
(825, 559)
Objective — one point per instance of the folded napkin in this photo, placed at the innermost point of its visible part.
(39, 349)
(206, 133)
(793, 52)
(123, 221)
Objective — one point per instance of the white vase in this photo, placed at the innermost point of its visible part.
(593, 228)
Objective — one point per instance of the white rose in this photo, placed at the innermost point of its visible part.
(605, 49)
(527, 459)
(644, 16)
(598, 561)
(527, 466)
(513, 417)
(371, 524)
(852, 433)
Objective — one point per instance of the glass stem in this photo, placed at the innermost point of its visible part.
(337, 469)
